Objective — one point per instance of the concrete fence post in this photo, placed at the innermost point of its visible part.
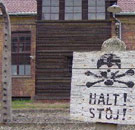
(6, 68)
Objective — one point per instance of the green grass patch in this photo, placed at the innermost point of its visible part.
(29, 104)
(22, 104)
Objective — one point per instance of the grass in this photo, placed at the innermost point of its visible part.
(29, 104)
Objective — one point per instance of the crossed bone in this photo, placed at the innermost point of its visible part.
(110, 80)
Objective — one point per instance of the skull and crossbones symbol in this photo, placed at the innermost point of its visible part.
(107, 76)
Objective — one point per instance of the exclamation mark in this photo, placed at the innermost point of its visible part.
(124, 113)
(125, 98)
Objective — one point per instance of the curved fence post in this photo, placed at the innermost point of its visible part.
(6, 68)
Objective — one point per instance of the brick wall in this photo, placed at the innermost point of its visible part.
(22, 86)
(128, 31)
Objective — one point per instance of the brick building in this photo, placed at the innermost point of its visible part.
(23, 18)
(65, 26)
(127, 18)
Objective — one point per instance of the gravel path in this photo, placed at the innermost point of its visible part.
(44, 120)
(48, 127)
(41, 116)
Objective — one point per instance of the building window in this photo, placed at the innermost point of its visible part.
(50, 10)
(73, 9)
(21, 47)
(96, 9)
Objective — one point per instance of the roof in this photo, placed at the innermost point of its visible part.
(21, 7)
(25, 7)
(127, 6)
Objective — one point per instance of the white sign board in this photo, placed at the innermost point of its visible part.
(103, 87)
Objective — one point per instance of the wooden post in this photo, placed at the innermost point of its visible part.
(6, 68)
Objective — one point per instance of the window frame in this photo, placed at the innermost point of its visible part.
(21, 57)
(95, 10)
(84, 12)
(76, 10)
(50, 14)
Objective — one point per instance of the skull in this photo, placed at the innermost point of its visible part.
(108, 61)
(108, 77)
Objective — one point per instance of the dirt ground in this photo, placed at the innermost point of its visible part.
(44, 120)
(47, 127)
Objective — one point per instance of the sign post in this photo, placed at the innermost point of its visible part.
(103, 85)
(6, 68)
